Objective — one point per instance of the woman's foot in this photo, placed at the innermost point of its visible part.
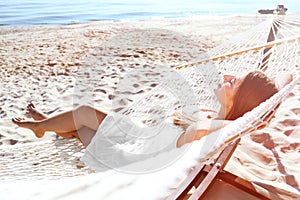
(21, 122)
(34, 113)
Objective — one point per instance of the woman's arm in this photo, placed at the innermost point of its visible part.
(200, 129)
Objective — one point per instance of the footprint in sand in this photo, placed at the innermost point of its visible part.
(8, 142)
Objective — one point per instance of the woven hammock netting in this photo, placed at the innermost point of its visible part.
(272, 47)
(190, 88)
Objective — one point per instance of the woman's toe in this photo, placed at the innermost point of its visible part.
(17, 119)
(30, 106)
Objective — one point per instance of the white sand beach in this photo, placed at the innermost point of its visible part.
(49, 66)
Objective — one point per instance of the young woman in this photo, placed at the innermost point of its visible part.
(237, 95)
(104, 133)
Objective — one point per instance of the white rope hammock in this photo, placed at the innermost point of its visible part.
(190, 89)
(59, 159)
(42, 160)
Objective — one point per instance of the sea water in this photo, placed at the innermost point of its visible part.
(57, 12)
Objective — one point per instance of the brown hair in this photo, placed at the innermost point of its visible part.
(254, 89)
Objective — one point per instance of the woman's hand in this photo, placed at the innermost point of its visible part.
(193, 132)
(199, 129)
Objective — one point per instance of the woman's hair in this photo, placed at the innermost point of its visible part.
(253, 90)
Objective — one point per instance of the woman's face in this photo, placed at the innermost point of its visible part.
(226, 91)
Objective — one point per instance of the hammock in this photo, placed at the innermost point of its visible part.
(191, 88)
(56, 161)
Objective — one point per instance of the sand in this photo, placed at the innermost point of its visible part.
(51, 65)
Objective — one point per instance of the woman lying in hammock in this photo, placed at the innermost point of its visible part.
(237, 95)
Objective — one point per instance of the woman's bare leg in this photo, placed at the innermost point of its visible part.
(85, 134)
(67, 122)
(33, 112)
